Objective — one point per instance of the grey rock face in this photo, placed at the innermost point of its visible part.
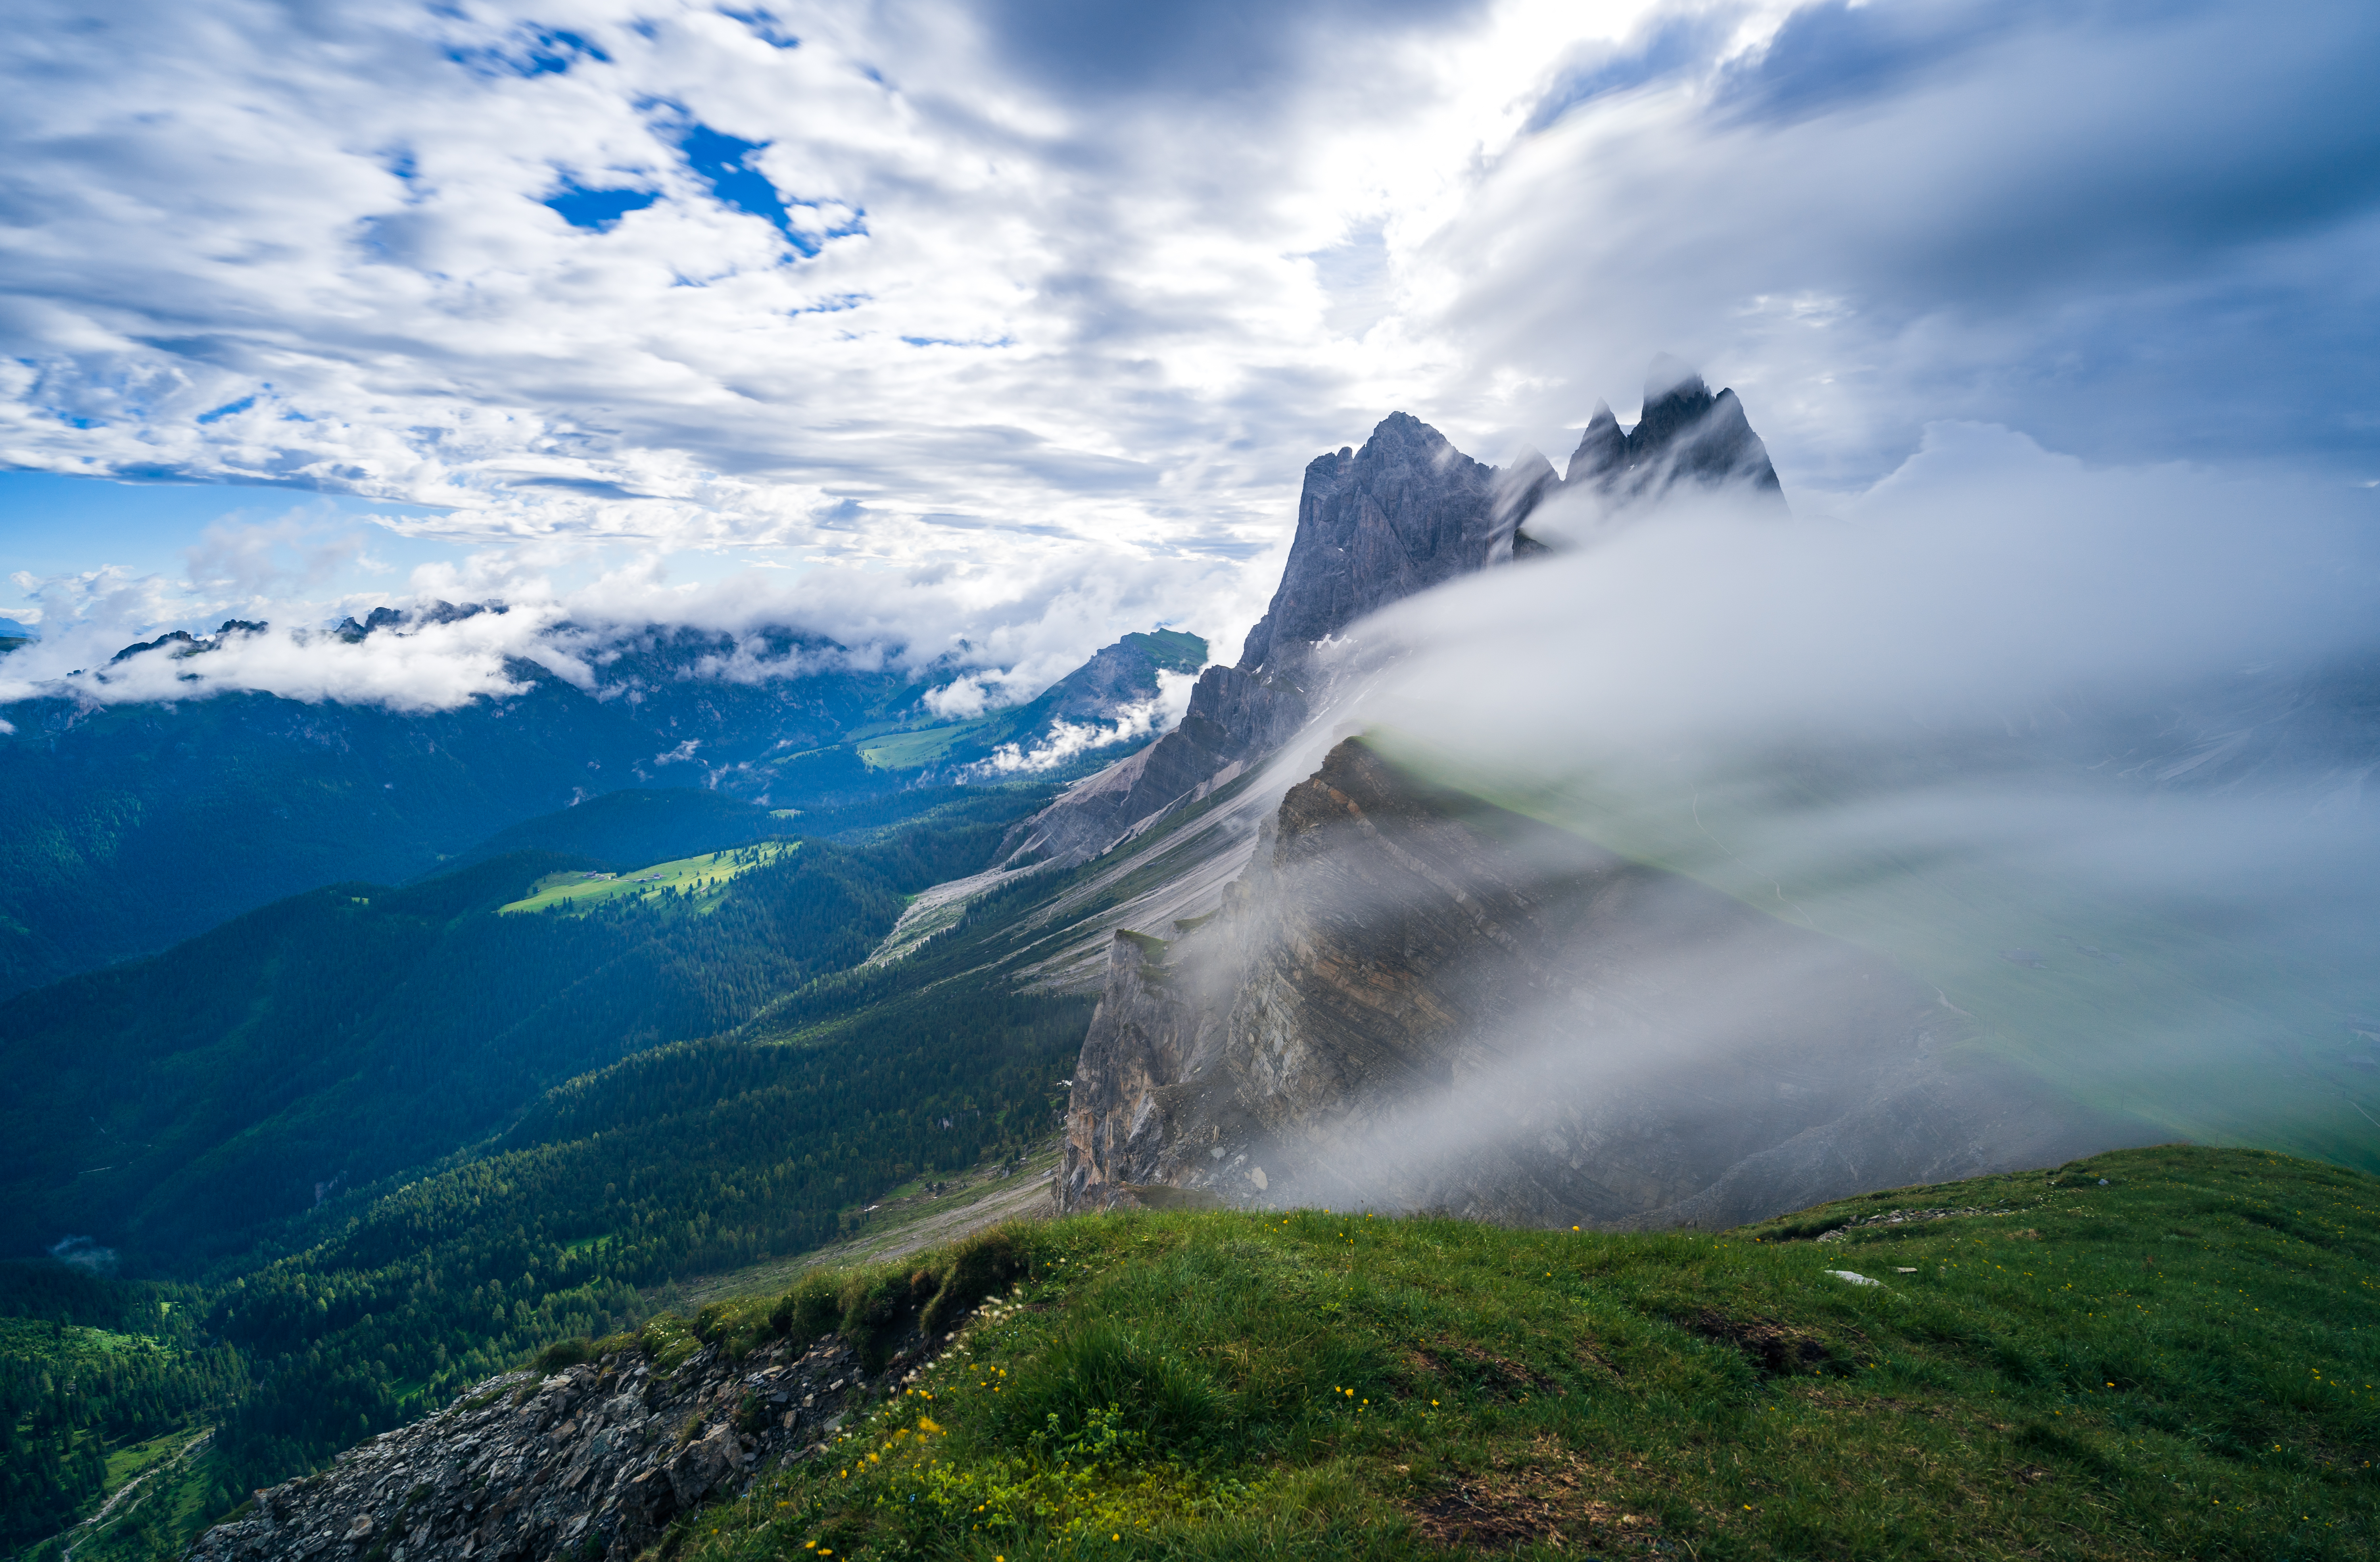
(1413, 1001)
(1121, 675)
(591, 1462)
(1407, 512)
(1374, 527)
(1404, 513)
(1685, 435)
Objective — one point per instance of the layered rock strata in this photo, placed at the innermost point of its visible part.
(1411, 1001)
(594, 1461)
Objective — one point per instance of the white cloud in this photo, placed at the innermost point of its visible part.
(1997, 712)
(960, 698)
(1070, 740)
(1055, 300)
(1008, 628)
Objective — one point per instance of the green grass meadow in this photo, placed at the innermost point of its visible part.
(2183, 1362)
(703, 879)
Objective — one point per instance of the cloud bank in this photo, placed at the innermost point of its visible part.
(978, 298)
(2089, 749)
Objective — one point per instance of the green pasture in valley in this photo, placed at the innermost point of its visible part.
(700, 879)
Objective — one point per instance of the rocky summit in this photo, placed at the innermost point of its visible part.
(1407, 512)
(1413, 1001)
(1685, 436)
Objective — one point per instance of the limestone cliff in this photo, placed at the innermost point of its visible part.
(1373, 526)
(1414, 1001)
(1407, 512)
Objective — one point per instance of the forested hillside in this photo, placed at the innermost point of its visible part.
(91, 1370)
(176, 1106)
(718, 1087)
(133, 826)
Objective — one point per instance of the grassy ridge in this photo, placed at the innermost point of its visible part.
(2182, 1362)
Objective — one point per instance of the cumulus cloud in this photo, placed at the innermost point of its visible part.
(2138, 233)
(1068, 740)
(1006, 629)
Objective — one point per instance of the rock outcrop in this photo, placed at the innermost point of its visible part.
(1373, 526)
(1407, 512)
(1414, 1001)
(1685, 435)
(594, 1461)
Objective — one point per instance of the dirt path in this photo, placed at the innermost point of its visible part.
(900, 1229)
(89, 1526)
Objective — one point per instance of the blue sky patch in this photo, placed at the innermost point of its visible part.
(596, 209)
(764, 26)
(226, 410)
(724, 162)
(531, 51)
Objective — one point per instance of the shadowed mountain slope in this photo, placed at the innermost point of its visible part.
(1413, 1001)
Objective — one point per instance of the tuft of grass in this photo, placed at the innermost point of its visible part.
(668, 1340)
(875, 1306)
(2183, 1362)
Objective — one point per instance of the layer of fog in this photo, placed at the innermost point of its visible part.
(2085, 751)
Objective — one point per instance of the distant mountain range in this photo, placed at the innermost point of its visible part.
(133, 826)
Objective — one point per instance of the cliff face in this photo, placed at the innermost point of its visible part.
(1373, 526)
(1407, 512)
(1412, 1001)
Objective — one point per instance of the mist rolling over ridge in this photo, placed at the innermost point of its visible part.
(2087, 752)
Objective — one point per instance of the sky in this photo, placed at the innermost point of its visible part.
(993, 330)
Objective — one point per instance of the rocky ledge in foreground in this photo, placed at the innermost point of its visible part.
(594, 1461)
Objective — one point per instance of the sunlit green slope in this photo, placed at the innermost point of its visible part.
(2160, 1353)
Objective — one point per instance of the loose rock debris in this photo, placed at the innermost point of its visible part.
(594, 1461)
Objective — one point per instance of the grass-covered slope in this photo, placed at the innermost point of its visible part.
(2182, 1360)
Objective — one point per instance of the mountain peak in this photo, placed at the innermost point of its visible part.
(1684, 433)
(1668, 373)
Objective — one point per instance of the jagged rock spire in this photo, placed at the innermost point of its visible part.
(1684, 434)
(1375, 525)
